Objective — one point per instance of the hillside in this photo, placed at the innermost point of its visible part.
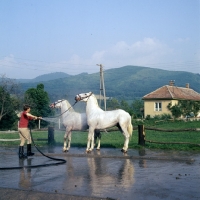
(128, 82)
(45, 77)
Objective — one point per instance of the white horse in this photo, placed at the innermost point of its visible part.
(100, 119)
(73, 121)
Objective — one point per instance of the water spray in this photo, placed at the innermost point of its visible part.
(60, 161)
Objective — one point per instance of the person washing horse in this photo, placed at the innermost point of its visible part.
(24, 131)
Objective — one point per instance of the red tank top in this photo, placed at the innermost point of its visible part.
(23, 122)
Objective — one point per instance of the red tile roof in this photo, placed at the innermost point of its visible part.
(173, 92)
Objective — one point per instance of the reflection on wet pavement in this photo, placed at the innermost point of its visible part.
(140, 174)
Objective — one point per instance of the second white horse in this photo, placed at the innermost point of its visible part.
(100, 119)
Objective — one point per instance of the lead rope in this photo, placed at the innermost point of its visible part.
(64, 111)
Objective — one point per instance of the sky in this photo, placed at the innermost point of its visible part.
(44, 36)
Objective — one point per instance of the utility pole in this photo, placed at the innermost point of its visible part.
(102, 86)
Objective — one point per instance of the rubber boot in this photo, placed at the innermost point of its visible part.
(21, 153)
(29, 153)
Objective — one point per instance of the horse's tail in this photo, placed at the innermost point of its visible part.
(130, 129)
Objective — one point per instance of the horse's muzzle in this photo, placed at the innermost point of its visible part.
(77, 98)
(52, 105)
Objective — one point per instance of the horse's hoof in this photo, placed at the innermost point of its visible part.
(89, 150)
(98, 149)
(124, 151)
(65, 150)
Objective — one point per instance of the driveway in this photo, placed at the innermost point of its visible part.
(108, 174)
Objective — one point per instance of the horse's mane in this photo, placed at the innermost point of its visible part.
(69, 106)
(96, 100)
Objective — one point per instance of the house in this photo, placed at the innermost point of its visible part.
(156, 102)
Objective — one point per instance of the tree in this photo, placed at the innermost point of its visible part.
(39, 101)
(137, 108)
(175, 110)
(9, 102)
(185, 108)
(113, 104)
(124, 105)
(196, 107)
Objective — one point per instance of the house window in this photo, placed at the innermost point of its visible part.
(158, 106)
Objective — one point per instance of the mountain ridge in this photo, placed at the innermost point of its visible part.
(128, 82)
(45, 77)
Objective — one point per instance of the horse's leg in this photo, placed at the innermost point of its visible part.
(99, 143)
(92, 140)
(66, 139)
(90, 143)
(126, 139)
(126, 142)
(65, 143)
(97, 134)
(69, 140)
(95, 137)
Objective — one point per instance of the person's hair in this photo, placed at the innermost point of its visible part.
(26, 107)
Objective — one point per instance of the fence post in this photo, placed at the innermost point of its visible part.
(50, 135)
(141, 135)
(39, 124)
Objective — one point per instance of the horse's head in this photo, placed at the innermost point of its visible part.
(56, 104)
(83, 96)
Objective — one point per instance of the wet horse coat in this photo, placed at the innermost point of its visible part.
(73, 121)
(100, 119)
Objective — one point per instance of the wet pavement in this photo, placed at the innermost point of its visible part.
(108, 174)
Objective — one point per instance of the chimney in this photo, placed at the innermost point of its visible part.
(187, 85)
(171, 83)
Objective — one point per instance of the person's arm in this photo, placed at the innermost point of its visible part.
(32, 116)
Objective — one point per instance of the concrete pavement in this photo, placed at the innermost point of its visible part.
(108, 174)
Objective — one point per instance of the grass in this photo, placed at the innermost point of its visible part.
(115, 139)
(183, 136)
